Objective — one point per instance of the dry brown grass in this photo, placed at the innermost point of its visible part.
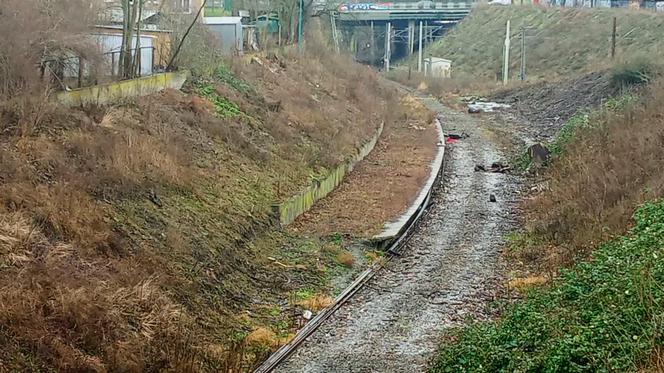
(34, 31)
(346, 258)
(526, 282)
(604, 174)
(441, 87)
(316, 303)
(262, 337)
(658, 359)
(125, 231)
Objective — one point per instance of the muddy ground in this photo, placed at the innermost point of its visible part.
(450, 270)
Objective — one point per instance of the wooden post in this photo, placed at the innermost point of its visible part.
(80, 72)
(613, 38)
(522, 75)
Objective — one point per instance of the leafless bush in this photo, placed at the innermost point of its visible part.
(34, 31)
(201, 50)
(606, 171)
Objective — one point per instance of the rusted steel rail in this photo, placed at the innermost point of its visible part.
(394, 248)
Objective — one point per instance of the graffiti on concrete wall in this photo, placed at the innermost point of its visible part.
(363, 7)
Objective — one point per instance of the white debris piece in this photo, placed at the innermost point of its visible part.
(486, 107)
(307, 314)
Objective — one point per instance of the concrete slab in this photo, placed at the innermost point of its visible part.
(396, 228)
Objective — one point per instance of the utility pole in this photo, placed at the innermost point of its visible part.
(299, 26)
(335, 33)
(522, 75)
(506, 55)
(613, 38)
(419, 50)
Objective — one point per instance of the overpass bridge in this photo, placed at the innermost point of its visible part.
(377, 32)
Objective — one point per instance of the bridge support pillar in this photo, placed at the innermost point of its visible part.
(420, 35)
(411, 36)
(373, 42)
(388, 45)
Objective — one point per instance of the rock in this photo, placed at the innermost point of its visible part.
(152, 196)
(498, 167)
(538, 154)
(492, 198)
(474, 110)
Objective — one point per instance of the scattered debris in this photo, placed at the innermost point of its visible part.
(454, 136)
(471, 98)
(498, 167)
(538, 154)
(152, 196)
(541, 187)
(492, 198)
(485, 107)
(416, 127)
(451, 138)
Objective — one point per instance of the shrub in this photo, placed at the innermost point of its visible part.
(346, 259)
(34, 31)
(603, 315)
(639, 71)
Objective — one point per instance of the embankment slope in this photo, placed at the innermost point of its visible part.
(561, 41)
(137, 237)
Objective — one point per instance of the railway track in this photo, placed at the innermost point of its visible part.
(393, 249)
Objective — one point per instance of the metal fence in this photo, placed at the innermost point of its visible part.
(77, 72)
(647, 4)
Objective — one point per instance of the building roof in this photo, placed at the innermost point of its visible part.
(222, 20)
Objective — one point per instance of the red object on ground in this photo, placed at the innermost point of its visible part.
(450, 140)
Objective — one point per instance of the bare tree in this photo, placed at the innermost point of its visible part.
(36, 31)
(132, 12)
(184, 37)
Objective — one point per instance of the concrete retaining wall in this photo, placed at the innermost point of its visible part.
(113, 92)
(396, 229)
(297, 205)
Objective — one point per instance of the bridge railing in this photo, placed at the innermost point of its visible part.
(348, 7)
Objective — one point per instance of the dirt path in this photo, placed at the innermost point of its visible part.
(447, 272)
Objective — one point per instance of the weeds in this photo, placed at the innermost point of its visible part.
(223, 106)
(640, 71)
(224, 75)
(602, 315)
